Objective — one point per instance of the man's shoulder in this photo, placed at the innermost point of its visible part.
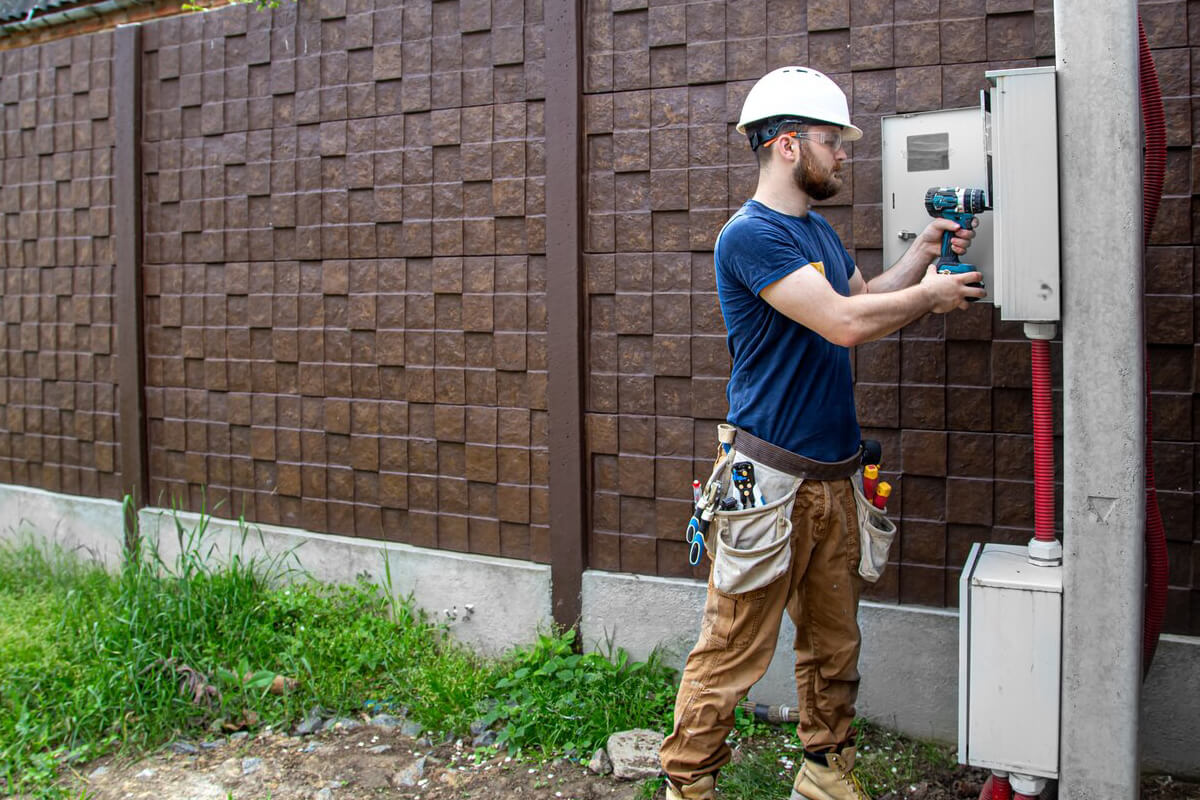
(747, 224)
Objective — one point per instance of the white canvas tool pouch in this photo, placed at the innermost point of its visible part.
(875, 535)
(753, 545)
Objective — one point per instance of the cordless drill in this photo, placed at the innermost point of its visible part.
(960, 206)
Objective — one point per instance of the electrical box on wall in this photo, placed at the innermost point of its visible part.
(926, 150)
(1020, 120)
(1010, 643)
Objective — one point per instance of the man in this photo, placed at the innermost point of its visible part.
(793, 303)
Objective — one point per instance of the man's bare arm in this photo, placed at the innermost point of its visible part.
(806, 297)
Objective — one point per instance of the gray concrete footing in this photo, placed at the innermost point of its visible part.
(909, 660)
(493, 603)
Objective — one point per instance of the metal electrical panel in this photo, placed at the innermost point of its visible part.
(1020, 120)
(926, 150)
(1010, 661)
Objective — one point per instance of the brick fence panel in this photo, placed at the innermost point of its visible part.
(57, 336)
(344, 270)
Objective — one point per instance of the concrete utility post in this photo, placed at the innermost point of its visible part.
(1100, 165)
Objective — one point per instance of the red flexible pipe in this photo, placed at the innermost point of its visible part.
(1043, 443)
(1154, 168)
(1000, 787)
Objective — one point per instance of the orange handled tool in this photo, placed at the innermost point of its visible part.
(882, 491)
(869, 479)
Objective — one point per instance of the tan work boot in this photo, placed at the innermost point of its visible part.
(700, 790)
(834, 782)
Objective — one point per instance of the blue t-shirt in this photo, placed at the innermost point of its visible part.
(789, 385)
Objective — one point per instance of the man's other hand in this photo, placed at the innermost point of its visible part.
(948, 292)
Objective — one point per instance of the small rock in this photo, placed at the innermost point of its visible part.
(452, 779)
(919, 791)
(145, 774)
(281, 684)
(323, 794)
(478, 727)
(98, 772)
(342, 724)
(183, 748)
(386, 721)
(424, 741)
(634, 754)
(410, 728)
(379, 749)
(410, 775)
(311, 723)
(484, 739)
(212, 744)
(251, 765)
(311, 747)
(240, 736)
(600, 764)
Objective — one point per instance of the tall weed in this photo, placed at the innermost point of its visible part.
(560, 701)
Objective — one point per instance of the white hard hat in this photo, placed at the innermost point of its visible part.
(797, 92)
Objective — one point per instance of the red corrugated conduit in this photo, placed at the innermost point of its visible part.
(1043, 443)
(1154, 168)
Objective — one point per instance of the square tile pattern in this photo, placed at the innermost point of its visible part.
(58, 393)
(345, 272)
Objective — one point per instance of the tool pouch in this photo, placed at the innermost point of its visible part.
(875, 535)
(753, 545)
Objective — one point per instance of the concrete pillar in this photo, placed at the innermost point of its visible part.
(1100, 165)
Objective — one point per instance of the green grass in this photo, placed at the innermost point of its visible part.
(555, 699)
(92, 662)
(886, 762)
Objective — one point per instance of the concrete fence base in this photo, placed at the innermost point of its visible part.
(909, 663)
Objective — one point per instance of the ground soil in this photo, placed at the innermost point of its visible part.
(372, 762)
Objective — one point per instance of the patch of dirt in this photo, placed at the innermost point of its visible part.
(365, 762)
(369, 762)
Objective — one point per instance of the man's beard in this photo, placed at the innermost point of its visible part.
(813, 183)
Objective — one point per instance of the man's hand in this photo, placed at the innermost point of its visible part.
(924, 250)
(930, 240)
(950, 292)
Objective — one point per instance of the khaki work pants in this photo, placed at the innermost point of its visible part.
(738, 634)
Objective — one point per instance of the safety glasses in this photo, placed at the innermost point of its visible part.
(832, 139)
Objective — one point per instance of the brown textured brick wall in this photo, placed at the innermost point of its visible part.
(949, 397)
(57, 337)
(344, 271)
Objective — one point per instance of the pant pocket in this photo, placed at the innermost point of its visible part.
(733, 619)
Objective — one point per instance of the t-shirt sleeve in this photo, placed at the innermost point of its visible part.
(757, 253)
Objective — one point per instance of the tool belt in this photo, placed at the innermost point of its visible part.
(793, 463)
(750, 546)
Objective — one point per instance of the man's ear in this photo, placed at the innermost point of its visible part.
(789, 147)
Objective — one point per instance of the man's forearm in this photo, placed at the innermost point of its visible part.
(905, 272)
(876, 314)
